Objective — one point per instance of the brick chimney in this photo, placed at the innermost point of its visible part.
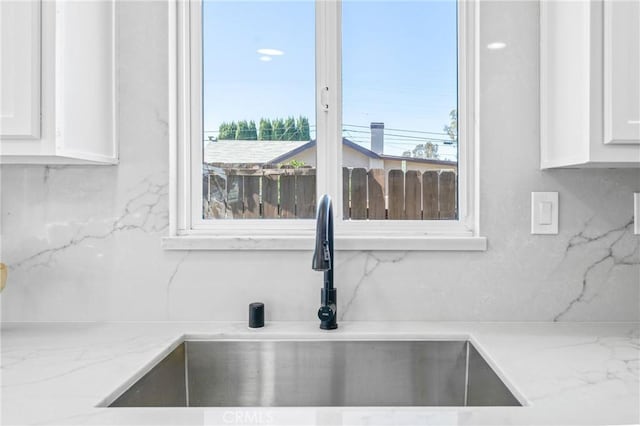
(377, 138)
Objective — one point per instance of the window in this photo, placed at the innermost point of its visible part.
(258, 110)
(399, 110)
(370, 102)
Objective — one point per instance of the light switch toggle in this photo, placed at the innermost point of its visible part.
(544, 212)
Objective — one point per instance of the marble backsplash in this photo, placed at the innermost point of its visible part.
(83, 243)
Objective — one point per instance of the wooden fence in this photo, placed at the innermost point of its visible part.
(410, 195)
(367, 194)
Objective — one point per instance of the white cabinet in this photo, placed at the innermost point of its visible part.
(590, 83)
(621, 71)
(58, 82)
(20, 69)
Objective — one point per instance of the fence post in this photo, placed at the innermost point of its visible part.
(358, 193)
(288, 194)
(396, 195)
(413, 195)
(251, 196)
(215, 200)
(345, 192)
(305, 193)
(235, 194)
(447, 195)
(375, 190)
(430, 195)
(270, 194)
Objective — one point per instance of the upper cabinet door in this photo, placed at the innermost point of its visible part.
(621, 72)
(20, 69)
(85, 80)
(58, 82)
(589, 83)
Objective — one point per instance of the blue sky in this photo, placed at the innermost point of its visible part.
(399, 65)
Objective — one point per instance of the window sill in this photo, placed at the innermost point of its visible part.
(344, 243)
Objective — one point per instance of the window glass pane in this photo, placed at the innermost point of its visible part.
(400, 142)
(259, 154)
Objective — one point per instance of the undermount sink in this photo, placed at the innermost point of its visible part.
(287, 373)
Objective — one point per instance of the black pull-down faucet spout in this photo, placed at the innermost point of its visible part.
(323, 261)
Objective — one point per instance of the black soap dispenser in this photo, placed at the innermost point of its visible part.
(256, 315)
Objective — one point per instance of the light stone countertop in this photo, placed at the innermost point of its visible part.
(566, 373)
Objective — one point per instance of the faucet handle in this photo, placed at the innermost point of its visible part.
(326, 313)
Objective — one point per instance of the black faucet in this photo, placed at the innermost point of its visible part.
(323, 261)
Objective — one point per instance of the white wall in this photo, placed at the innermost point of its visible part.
(83, 243)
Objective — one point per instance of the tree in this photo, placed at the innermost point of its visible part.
(427, 150)
(243, 130)
(277, 129)
(233, 128)
(296, 164)
(431, 150)
(452, 128)
(252, 133)
(222, 129)
(290, 131)
(227, 131)
(265, 130)
(302, 126)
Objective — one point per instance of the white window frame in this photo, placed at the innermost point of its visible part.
(188, 230)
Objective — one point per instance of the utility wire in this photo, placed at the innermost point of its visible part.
(399, 130)
(407, 136)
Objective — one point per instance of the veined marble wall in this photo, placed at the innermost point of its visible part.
(83, 243)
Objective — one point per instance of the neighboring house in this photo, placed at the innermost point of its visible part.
(353, 155)
(248, 152)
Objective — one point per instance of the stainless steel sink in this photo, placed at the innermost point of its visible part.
(287, 373)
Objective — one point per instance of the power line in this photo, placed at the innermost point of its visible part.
(312, 128)
(406, 136)
(393, 139)
(365, 144)
(368, 127)
(399, 130)
(388, 136)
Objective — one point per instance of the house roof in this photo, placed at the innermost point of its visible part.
(274, 152)
(418, 160)
(362, 150)
(250, 152)
(312, 143)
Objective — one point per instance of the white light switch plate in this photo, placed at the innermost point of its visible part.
(544, 212)
(636, 213)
